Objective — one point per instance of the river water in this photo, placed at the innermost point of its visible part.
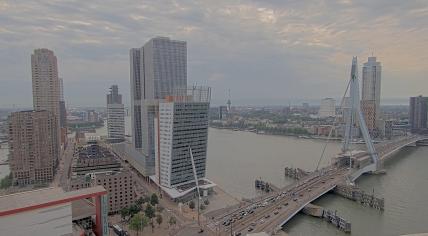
(236, 158)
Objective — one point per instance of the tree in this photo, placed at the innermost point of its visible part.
(140, 201)
(138, 222)
(124, 212)
(202, 207)
(206, 202)
(6, 182)
(159, 219)
(134, 209)
(149, 211)
(154, 199)
(172, 221)
(192, 205)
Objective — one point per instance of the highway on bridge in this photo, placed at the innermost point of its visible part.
(269, 213)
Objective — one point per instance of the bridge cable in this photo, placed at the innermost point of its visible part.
(333, 126)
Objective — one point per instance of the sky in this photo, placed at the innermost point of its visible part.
(266, 52)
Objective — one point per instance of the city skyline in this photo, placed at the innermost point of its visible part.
(282, 40)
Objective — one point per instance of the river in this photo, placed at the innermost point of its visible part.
(236, 158)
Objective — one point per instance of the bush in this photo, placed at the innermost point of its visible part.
(6, 182)
(206, 202)
(154, 199)
(192, 205)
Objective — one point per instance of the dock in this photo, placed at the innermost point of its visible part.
(328, 215)
(356, 194)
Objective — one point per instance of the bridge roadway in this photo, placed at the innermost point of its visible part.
(269, 215)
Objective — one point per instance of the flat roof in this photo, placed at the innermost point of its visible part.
(40, 198)
(176, 193)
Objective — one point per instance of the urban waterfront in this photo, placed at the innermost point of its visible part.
(236, 158)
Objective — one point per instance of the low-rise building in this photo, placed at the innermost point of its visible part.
(95, 165)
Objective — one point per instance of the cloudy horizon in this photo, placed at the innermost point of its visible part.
(265, 52)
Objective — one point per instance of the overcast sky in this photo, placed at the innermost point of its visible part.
(265, 52)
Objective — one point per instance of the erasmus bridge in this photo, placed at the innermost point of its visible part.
(271, 212)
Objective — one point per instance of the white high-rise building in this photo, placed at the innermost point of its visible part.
(157, 69)
(46, 89)
(327, 108)
(371, 88)
(115, 115)
(182, 124)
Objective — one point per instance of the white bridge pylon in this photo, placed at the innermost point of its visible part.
(355, 115)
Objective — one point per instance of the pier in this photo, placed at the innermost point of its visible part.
(328, 215)
(356, 194)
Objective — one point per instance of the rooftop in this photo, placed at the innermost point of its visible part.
(40, 198)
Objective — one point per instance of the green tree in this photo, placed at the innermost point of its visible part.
(6, 182)
(124, 212)
(154, 199)
(140, 201)
(159, 219)
(206, 202)
(172, 221)
(202, 207)
(149, 211)
(138, 222)
(192, 205)
(134, 209)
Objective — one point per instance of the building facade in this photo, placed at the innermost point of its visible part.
(33, 146)
(418, 114)
(327, 108)
(181, 125)
(46, 87)
(115, 115)
(62, 110)
(157, 69)
(371, 91)
(94, 165)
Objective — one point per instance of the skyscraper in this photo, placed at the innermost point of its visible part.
(182, 124)
(371, 88)
(157, 69)
(46, 88)
(418, 114)
(115, 115)
(33, 146)
(62, 109)
(327, 108)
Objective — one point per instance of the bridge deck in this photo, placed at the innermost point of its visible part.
(276, 209)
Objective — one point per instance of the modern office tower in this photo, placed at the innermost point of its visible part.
(46, 87)
(182, 124)
(136, 97)
(115, 115)
(418, 114)
(33, 146)
(327, 108)
(371, 88)
(157, 69)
